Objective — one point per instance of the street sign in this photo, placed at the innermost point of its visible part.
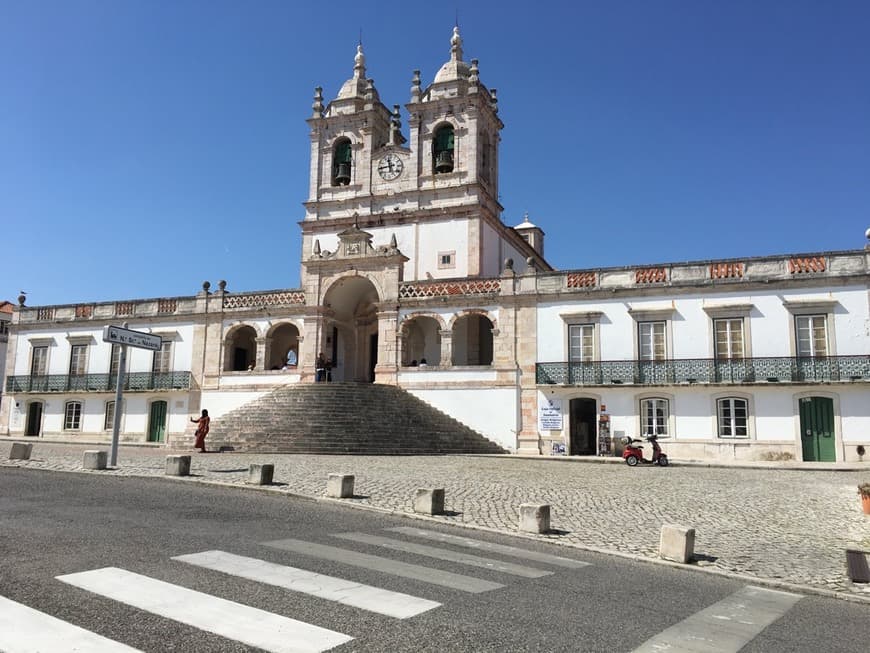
(120, 336)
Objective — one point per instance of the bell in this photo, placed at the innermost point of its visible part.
(444, 162)
(342, 174)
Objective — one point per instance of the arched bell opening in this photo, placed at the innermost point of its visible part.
(349, 336)
(472, 340)
(442, 149)
(240, 349)
(341, 160)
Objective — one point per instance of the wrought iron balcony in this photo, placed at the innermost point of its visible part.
(706, 370)
(133, 382)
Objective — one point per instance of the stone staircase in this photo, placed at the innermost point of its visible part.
(342, 418)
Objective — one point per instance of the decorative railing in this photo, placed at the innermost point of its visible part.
(706, 370)
(133, 382)
(422, 289)
(255, 300)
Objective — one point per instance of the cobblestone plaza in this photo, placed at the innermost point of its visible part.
(788, 526)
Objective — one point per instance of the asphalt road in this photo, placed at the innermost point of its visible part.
(67, 524)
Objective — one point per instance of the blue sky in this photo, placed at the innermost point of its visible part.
(149, 145)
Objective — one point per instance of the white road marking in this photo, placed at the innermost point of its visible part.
(373, 599)
(232, 620)
(726, 626)
(385, 565)
(446, 554)
(513, 551)
(25, 630)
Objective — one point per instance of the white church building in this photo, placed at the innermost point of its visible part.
(410, 278)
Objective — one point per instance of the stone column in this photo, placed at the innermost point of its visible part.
(261, 354)
(446, 348)
(386, 371)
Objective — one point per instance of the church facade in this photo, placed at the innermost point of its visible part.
(409, 277)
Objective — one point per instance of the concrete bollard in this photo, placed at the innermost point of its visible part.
(677, 543)
(534, 517)
(429, 501)
(339, 486)
(177, 465)
(260, 474)
(95, 459)
(20, 451)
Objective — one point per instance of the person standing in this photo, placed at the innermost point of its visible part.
(201, 430)
(320, 368)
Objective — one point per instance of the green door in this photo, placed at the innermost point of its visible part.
(157, 422)
(817, 429)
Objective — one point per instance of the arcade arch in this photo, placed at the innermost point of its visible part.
(349, 337)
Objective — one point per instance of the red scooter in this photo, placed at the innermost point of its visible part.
(633, 453)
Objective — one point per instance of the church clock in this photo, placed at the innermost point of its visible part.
(390, 167)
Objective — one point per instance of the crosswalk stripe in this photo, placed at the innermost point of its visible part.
(446, 554)
(385, 565)
(24, 630)
(373, 599)
(489, 546)
(726, 626)
(236, 621)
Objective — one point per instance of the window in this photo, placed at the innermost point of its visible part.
(446, 260)
(109, 420)
(4, 327)
(72, 416)
(442, 150)
(341, 159)
(581, 340)
(163, 358)
(39, 361)
(654, 416)
(729, 338)
(115, 360)
(651, 341)
(812, 335)
(733, 418)
(78, 360)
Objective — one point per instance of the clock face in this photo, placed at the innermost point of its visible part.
(390, 167)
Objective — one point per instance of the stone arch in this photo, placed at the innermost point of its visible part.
(421, 339)
(349, 332)
(443, 147)
(451, 323)
(282, 346)
(240, 347)
(472, 338)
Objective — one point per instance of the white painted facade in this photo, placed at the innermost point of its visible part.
(410, 277)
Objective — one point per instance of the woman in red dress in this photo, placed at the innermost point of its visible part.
(201, 430)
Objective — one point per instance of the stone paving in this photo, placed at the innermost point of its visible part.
(781, 526)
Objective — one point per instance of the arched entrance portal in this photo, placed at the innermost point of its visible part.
(350, 330)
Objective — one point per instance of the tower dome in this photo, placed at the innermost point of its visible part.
(456, 68)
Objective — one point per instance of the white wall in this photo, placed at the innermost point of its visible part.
(492, 412)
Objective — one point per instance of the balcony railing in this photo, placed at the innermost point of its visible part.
(133, 382)
(707, 370)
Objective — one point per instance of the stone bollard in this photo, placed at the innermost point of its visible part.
(177, 465)
(677, 543)
(95, 459)
(20, 451)
(534, 517)
(429, 501)
(339, 486)
(259, 474)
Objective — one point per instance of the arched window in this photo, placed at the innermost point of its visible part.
(341, 157)
(442, 150)
(240, 349)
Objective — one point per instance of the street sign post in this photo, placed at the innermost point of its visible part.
(125, 338)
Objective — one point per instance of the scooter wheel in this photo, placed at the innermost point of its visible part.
(663, 461)
(631, 461)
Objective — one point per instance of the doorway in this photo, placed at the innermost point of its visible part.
(157, 422)
(34, 419)
(583, 427)
(817, 429)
